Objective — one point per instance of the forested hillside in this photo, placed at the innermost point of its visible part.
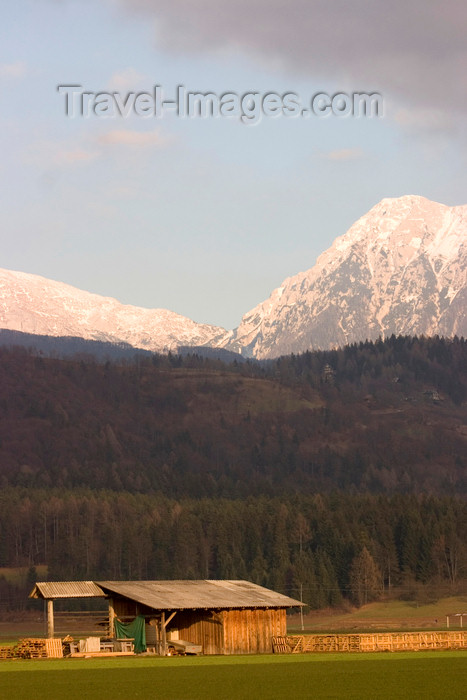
(385, 417)
(311, 473)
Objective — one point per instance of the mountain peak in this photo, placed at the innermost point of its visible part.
(401, 268)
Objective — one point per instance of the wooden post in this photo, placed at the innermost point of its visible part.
(301, 607)
(50, 619)
(111, 617)
(159, 636)
(164, 635)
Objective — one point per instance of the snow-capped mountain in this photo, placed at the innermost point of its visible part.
(401, 268)
(33, 304)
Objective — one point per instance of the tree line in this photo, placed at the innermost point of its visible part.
(325, 548)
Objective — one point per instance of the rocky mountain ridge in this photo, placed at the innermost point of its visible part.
(34, 304)
(400, 269)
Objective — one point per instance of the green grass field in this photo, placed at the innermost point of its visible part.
(409, 675)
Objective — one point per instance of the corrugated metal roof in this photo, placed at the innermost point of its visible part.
(52, 590)
(191, 595)
(171, 595)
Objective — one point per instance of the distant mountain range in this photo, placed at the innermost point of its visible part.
(400, 269)
(33, 304)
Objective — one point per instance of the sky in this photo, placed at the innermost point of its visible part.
(206, 216)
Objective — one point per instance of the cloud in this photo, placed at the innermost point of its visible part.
(425, 120)
(126, 137)
(13, 71)
(69, 154)
(74, 156)
(128, 79)
(343, 154)
(414, 53)
(45, 154)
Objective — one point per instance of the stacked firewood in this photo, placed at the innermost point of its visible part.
(7, 652)
(31, 649)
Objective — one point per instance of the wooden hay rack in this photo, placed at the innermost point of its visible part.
(390, 641)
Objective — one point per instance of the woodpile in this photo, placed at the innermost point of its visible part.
(32, 648)
(280, 645)
(7, 652)
(391, 641)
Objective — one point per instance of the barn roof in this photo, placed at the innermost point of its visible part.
(171, 595)
(66, 589)
(191, 595)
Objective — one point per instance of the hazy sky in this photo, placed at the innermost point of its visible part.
(206, 216)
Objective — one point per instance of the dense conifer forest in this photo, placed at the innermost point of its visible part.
(336, 476)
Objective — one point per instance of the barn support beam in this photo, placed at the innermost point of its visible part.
(170, 618)
(50, 618)
(163, 635)
(111, 617)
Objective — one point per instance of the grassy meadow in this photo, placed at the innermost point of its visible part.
(384, 615)
(408, 675)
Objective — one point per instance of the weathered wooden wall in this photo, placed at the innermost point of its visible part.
(201, 627)
(239, 631)
(251, 631)
(124, 607)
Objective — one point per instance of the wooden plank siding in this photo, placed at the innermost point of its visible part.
(202, 627)
(251, 631)
(237, 631)
(125, 608)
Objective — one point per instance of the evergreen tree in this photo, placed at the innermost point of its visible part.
(365, 579)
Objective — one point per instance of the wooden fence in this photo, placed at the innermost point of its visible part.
(83, 623)
(390, 641)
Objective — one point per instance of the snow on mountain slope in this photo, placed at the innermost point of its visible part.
(33, 304)
(401, 268)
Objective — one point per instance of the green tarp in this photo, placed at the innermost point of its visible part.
(132, 630)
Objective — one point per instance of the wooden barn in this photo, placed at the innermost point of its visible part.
(221, 617)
